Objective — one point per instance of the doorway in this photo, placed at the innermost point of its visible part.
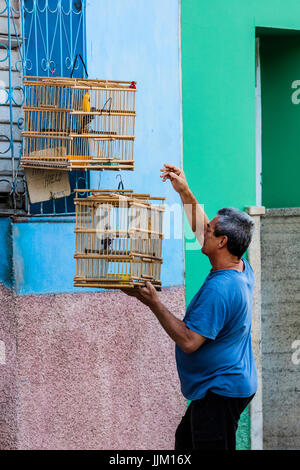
(278, 161)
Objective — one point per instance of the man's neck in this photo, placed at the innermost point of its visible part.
(230, 263)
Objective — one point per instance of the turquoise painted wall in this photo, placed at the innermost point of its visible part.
(218, 105)
(218, 89)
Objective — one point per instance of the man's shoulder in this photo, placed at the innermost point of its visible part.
(247, 264)
(225, 281)
(219, 285)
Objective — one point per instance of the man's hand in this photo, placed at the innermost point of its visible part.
(196, 216)
(176, 176)
(147, 295)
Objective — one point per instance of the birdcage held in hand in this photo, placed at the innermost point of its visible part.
(118, 239)
(73, 123)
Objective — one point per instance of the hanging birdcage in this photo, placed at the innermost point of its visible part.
(73, 123)
(118, 239)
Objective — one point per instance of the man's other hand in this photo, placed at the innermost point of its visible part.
(147, 295)
(176, 176)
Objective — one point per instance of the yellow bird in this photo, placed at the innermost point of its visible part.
(81, 124)
(86, 119)
(86, 103)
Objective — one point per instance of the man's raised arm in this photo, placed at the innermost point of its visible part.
(196, 216)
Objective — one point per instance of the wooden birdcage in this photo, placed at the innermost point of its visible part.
(73, 123)
(118, 239)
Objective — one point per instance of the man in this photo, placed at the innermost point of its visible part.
(213, 344)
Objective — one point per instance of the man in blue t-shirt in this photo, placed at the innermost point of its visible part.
(213, 344)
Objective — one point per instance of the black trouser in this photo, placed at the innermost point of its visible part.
(210, 423)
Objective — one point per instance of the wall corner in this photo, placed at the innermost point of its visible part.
(254, 255)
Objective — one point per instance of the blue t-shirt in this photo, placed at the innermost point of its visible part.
(221, 311)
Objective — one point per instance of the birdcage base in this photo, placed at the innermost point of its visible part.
(59, 165)
(78, 165)
(115, 285)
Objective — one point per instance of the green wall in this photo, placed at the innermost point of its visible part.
(280, 67)
(218, 99)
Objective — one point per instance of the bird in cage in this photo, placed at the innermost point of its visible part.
(78, 123)
(123, 255)
(105, 241)
(86, 103)
(87, 119)
(81, 123)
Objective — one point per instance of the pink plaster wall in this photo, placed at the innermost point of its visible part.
(8, 371)
(94, 371)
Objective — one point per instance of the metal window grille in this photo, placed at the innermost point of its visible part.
(37, 38)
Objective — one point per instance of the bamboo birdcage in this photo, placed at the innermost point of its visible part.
(118, 239)
(73, 123)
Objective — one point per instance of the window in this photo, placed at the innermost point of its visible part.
(40, 38)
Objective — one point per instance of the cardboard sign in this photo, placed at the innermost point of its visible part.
(44, 185)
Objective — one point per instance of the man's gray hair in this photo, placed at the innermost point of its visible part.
(238, 227)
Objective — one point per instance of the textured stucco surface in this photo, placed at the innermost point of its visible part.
(280, 328)
(95, 371)
(8, 376)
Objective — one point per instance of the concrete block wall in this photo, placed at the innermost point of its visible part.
(280, 267)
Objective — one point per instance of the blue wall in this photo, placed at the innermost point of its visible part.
(139, 40)
(43, 252)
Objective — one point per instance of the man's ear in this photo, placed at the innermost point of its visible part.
(223, 241)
